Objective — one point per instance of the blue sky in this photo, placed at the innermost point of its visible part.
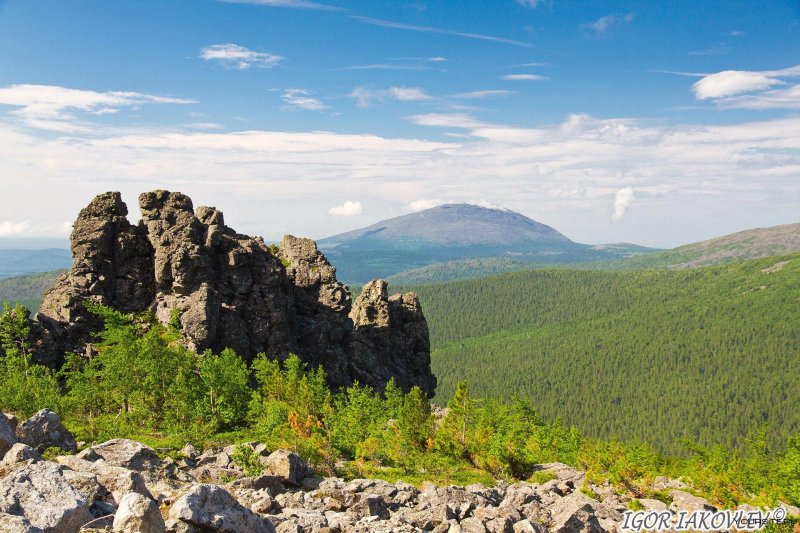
(658, 123)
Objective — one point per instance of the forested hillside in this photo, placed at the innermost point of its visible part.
(703, 354)
(28, 289)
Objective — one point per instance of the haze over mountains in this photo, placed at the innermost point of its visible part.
(454, 232)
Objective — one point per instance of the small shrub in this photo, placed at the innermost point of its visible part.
(247, 460)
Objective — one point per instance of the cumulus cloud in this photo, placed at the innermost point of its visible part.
(51, 107)
(605, 25)
(524, 77)
(239, 57)
(366, 97)
(347, 209)
(302, 99)
(622, 200)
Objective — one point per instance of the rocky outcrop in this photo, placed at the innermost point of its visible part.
(228, 290)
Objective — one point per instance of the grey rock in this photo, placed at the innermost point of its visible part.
(16, 524)
(208, 508)
(44, 430)
(40, 492)
(116, 480)
(138, 514)
(19, 453)
(370, 506)
(8, 437)
(472, 525)
(683, 501)
(579, 513)
(124, 453)
(288, 466)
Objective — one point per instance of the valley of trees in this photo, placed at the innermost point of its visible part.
(704, 354)
(143, 383)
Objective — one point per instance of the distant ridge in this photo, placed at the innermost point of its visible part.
(749, 244)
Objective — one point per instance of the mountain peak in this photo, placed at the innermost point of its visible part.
(451, 225)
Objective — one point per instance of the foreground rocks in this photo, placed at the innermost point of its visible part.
(229, 290)
(125, 486)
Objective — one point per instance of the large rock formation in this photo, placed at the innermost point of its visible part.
(230, 290)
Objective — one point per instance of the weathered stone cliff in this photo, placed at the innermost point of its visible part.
(230, 290)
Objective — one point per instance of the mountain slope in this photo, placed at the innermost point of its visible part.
(658, 355)
(454, 232)
(28, 289)
(749, 244)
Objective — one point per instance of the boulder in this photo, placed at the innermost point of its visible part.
(44, 430)
(138, 514)
(10, 523)
(683, 501)
(124, 453)
(7, 436)
(209, 509)
(288, 466)
(40, 492)
(370, 506)
(579, 513)
(116, 480)
(18, 453)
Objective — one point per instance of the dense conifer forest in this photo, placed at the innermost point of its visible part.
(705, 354)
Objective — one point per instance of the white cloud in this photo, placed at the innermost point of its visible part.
(294, 4)
(366, 97)
(622, 200)
(422, 204)
(408, 94)
(451, 120)
(29, 229)
(53, 108)
(239, 57)
(533, 4)
(604, 25)
(441, 31)
(347, 209)
(690, 180)
(490, 93)
(750, 89)
(302, 99)
(524, 77)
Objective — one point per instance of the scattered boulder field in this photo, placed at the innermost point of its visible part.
(124, 486)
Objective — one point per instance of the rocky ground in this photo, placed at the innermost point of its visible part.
(124, 486)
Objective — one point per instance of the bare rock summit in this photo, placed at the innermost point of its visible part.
(229, 290)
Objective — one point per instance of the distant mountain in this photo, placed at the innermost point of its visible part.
(749, 244)
(15, 262)
(455, 232)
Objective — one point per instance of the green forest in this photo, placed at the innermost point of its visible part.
(143, 383)
(703, 354)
